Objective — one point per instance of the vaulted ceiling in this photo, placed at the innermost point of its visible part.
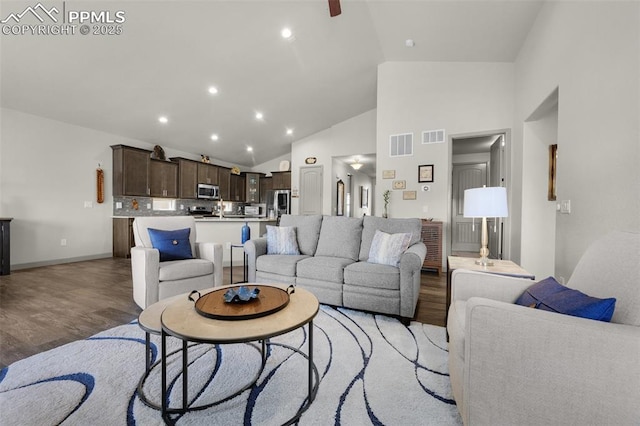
(171, 52)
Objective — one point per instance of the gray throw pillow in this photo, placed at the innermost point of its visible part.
(387, 249)
(282, 240)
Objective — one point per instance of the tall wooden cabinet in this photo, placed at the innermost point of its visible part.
(163, 179)
(432, 238)
(123, 238)
(224, 177)
(130, 171)
(187, 178)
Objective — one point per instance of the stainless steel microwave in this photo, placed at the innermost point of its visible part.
(208, 192)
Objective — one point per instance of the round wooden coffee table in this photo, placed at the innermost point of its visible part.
(180, 319)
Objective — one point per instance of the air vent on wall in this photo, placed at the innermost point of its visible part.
(401, 145)
(433, 136)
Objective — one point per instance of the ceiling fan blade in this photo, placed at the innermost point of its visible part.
(334, 8)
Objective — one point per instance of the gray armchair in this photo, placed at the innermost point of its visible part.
(154, 280)
(512, 364)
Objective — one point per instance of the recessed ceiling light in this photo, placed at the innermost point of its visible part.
(289, 131)
(163, 119)
(259, 116)
(249, 149)
(214, 137)
(286, 33)
(213, 90)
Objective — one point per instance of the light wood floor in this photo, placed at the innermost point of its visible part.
(42, 308)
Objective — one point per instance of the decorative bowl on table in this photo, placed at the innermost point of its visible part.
(241, 294)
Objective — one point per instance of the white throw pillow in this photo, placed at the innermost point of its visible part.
(387, 249)
(282, 240)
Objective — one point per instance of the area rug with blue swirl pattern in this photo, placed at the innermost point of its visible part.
(373, 370)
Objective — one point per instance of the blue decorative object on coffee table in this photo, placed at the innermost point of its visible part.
(241, 294)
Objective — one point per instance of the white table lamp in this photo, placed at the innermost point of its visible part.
(485, 202)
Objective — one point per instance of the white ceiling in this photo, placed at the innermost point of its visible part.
(170, 52)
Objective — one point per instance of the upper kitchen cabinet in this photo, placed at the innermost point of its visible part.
(252, 187)
(236, 190)
(281, 180)
(266, 183)
(163, 179)
(187, 178)
(207, 173)
(130, 171)
(224, 177)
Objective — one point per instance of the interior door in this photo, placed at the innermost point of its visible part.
(310, 190)
(463, 237)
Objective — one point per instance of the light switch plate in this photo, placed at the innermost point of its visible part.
(565, 206)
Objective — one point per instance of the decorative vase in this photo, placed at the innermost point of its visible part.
(384, 213)
(246, 233)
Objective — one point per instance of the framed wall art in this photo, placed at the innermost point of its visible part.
(425, 173)
(340, 201)
(409, 195)
(399, 184)
(553, 158)
(364, 197)
(388, 174)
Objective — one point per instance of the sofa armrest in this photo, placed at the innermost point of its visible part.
(145, 267)
(466, 284)
(410, 266)
(254, 249)
(213, 253)
(527, 366)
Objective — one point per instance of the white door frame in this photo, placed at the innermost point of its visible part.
(507, 170)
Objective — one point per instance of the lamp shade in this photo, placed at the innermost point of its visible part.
(485, 202)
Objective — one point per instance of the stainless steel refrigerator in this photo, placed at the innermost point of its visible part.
(278, 203)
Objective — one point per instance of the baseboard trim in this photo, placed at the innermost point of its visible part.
(59, 261)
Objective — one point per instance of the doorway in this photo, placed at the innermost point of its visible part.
(476, 160)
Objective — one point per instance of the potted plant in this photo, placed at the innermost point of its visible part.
(385, 196)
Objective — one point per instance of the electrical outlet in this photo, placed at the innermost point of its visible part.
(118, 204)
(425, 209)
(63, 242)
(565, 206)
(88, 205)
(148, 206)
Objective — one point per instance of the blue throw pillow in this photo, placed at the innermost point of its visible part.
(282, 240)
(172, 245)
(549, 295)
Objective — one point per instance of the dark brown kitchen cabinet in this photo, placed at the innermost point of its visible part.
(252, 187)
(207, 173)
(187, 178)
(236, 189)
(281, 180)
(266, 184)
(163, 179)
(123, 238)
(130, 171)
(224, 177)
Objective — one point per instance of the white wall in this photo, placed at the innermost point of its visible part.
(591, 52)
(354, 136)
(538, 213)
(47, 172)
(461, 98)
(271, 165)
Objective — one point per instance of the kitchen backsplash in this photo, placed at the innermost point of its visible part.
(144, 206)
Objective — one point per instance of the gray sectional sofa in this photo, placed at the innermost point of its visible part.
(333, 265)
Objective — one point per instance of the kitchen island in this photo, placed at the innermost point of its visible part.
(228, 231)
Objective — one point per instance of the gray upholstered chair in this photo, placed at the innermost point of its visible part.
(515, 365)
(154, 280)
